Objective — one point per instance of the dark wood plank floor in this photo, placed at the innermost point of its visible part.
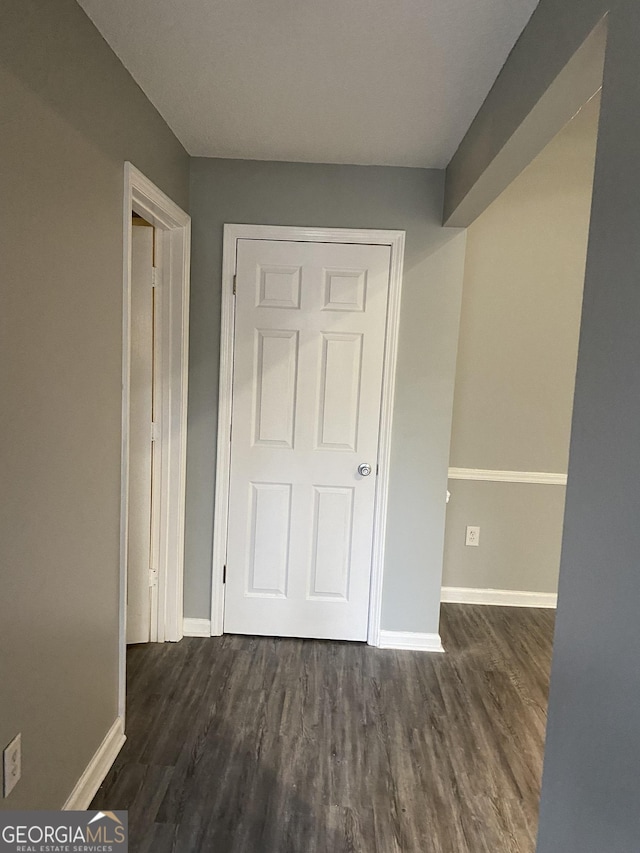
(253, 745)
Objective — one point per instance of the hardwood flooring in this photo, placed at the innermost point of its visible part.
(254, 745)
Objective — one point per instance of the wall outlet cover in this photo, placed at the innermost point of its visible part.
(11, 765)
(472, 536)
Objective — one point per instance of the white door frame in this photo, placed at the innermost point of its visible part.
(233, 233)
(173, 236)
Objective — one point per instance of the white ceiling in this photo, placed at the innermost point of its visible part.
(387, 82)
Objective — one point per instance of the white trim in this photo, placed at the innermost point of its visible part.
(223, 463)
(410, 641)
(386, 425)
(196, 627)
(96, 770)
(173, 228)
(500, 597)
(490, 476)
(232, 233)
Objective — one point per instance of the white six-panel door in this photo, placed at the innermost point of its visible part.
(308, 364)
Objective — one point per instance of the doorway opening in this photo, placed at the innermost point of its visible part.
(528, 228)
(144, 454)
(515, 377)
(154, 414)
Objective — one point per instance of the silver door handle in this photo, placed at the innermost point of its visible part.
(364, 469)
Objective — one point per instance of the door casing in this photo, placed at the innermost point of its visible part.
(233, 233)
(173, 232)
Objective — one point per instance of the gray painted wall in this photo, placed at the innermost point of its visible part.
(590, 783)
(520, 536)
(515, 374)
(340, 196)
(71, 116)
(521, 306)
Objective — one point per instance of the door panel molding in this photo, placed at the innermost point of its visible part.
(173, 229)
(347, 292)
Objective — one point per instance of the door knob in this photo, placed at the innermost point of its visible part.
(364, 469)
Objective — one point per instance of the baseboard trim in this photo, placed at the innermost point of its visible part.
(500, 597)
(97, 769)
(490, 476)
(196, 627)
(410, 641)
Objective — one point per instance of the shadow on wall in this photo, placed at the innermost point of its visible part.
(67, 64)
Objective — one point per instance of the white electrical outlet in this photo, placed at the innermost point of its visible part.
(11, 765)
(473, 536)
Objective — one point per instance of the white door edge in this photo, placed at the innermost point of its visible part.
(232, 233)
(174, 230)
